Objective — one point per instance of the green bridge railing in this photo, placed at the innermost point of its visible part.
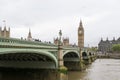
(19, 43)
(13, 42)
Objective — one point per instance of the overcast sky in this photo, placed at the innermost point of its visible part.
(101, 18)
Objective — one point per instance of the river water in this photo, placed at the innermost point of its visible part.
(101, 69)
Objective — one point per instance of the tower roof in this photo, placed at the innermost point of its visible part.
(80, 25)
(107, 39)
(5, 28)
(101, 39)
(118, 39)
(29, 34)
(113, 38)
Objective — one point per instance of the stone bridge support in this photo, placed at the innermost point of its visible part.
(73, 66)
(86, 58)
(72, 60)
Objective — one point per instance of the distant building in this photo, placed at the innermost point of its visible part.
(106, 45)
(56, 41)
(5, 33)
(29, 38)
(65, 41)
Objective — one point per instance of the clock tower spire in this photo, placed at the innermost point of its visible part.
(80, 35)
(29, 38)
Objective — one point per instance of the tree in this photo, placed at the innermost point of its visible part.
(93, 49)
(116, 48)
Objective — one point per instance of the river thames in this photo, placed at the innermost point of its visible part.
(101, 69)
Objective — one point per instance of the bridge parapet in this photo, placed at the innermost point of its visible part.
(18, 43)
(12, 42)
(70, 48)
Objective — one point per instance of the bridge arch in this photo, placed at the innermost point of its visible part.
(32, 57)
(90, 54)
(76, 53)
(84, 54)
(72, 60)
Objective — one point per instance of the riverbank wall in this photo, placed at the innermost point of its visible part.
(109, 55)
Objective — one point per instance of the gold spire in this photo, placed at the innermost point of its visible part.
(4, 23)
(29, 35)
(80, 24)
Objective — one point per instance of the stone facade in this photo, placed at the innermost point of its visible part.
(65, 41)
(80, 36)
(29, 38)
(5, 33)
(56, 41)
(105, 46)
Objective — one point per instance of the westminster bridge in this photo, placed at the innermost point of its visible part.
(31, 60)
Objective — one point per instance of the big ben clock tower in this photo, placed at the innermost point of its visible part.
(81, 36)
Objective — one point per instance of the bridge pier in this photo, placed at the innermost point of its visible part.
(61, 67)
(73, 66)
(93, 58)
(87, 60)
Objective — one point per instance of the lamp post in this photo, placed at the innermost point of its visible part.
(62, 68)
(60, 35)
(60, 51)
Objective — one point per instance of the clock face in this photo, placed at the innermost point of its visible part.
(80, 32)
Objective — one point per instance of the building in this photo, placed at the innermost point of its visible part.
(105, 46)
(80, 36)
(4, 32)
(65, 41)
(56, 41)
(29, 38)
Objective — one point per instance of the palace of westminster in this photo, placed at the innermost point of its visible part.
(6, 34)
(103, 46)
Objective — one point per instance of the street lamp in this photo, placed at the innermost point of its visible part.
(60, 34)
